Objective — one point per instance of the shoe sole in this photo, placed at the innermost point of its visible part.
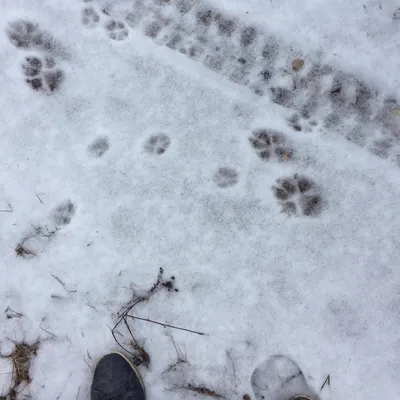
(133, 366)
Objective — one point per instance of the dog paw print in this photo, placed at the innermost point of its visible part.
(295, 123)
(116, 30)
(41, 73)
(27, 35)
(23, 34)
(226, 177)
(298, 195)
(382, 147)
(157, 144)
(298, 123)
(270, 144)
(63, 213)
(98, 147)
(90, 17)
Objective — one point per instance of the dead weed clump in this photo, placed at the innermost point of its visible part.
(22, 251)
(21, 358)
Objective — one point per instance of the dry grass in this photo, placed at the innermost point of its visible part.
(21, 359)
(140, 356)
(24, 252)
(181, 358)
(203, 390)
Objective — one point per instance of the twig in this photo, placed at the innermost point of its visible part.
(158, 281)
(123, 314)
(89, 305)
(87, 364)
(117, 341)
(182, 357)
(10, 209)
(40, 326)
(39, 231)
(39, 198)
(10, 313)
(144, 357)
(65, 385)
(122, 318)
(166, 325)
(79, 390)
(59, 281)
(327, 382)
(200, 390)
(64, 286)
(24, 252)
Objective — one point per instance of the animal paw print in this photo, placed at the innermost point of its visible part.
(41, 73)
(98, 147)
(63, 213)
(26, 35)
(116, 30)
(157, 144)
(299, 124)
(298, 195)
(382, 147)
(226, 177)
(270, 144)
(90, 17)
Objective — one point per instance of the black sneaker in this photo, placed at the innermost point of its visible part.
(116, 378)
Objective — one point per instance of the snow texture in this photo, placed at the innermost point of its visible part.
(250, 149)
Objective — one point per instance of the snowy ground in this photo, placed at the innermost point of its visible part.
(139, 151)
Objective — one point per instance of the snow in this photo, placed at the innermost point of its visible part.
(89, 193)
(337, 28)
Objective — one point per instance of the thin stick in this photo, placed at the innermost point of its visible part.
(87, 364)
(119, 344)
(10, 209)
(327, 381)
(51, 334)
(39, 198)
(167, 325)
(143, 354)
(94, 308)
(59, 281)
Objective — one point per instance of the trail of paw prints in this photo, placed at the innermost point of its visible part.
(298, 195)
(270, 145)
(40, 69)
(322, 97)
(157, 144)
(39, 235)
